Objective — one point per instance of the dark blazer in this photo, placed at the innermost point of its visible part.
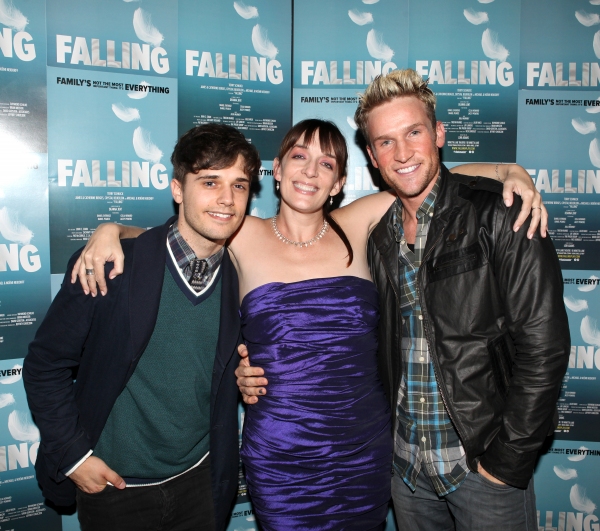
(99, 341)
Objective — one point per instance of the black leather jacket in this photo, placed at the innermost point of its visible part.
(494, 319)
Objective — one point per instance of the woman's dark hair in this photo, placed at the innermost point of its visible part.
(331, 140)
(213, 147)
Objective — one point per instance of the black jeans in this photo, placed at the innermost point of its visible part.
(182, 504)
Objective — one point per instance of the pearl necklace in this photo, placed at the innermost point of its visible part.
(298, 244)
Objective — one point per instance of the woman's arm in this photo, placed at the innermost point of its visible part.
(517, 180)
(103, 246)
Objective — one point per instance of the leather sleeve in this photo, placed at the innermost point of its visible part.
(531, 287)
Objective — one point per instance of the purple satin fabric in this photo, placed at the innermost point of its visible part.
(317, 448)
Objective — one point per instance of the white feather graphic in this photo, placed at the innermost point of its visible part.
(491, 47)
(589, 331)
(596, 44)
(377, 48)
(144, 148)
(360, 18)
(13, 230)
(12, 379)
(485, 1)
(476, 17)
(595, 2)
(257, 212)
(138, 95)
(596, 109)
(131, 1)
(583, 128)
(144, 29)
(6, 399)
(588, 287)
(262, 44)
(580, 501)
(22, 428)
(578, 457)
(369, 2)
(587, 19)
(245, 11)
(595, 153)
(10, 16)
(565, 473)
(351, 122)
(576, 305)
(127, 114)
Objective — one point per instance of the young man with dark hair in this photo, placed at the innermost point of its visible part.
(147, 432)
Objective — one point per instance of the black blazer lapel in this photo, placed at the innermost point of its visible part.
(229, 325)
(147, 274)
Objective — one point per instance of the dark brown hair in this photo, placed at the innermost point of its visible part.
(215, 147)
(331, 140)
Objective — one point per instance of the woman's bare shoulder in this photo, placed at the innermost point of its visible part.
(249, 230)
(365, 211)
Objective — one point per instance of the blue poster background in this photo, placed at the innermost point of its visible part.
(22, 506)
(23, 76)
(80, 33)
(477, 102)
(579, 403)
(336, 55)
(99, 120)
(557, 39)
(566, 487)
(24, 251)
(235, 68)
(78, 78)
(558, 144)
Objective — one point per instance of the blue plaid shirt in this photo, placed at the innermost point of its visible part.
(424, 432)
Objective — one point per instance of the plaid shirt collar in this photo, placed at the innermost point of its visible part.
(184, 255)
(424, 214)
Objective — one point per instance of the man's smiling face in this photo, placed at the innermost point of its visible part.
(404, 146)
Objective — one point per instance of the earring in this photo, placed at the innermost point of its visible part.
(277, 185)
(330, 200)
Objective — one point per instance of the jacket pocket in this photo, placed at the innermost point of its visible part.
(502, 363)
(456, 262)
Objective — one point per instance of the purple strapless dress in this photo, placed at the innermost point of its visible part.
(317, 448)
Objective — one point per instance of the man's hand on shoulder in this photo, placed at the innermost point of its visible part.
(93, 475)
(249, 379)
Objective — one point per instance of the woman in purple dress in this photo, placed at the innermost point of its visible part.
(317, 448)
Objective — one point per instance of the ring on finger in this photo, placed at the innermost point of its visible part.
(533, 208)
(89, 271)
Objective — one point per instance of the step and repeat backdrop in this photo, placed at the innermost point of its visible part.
(94, 94)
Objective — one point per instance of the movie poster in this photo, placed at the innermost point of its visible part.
(558, 145)
(112, 120)
(469, 52)
(560, 46)
(22, 506)
(235, 68)
(579, 403)
(23, 76)
(24, 250)
(336, 55)
(110, 144)
(566, 487)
